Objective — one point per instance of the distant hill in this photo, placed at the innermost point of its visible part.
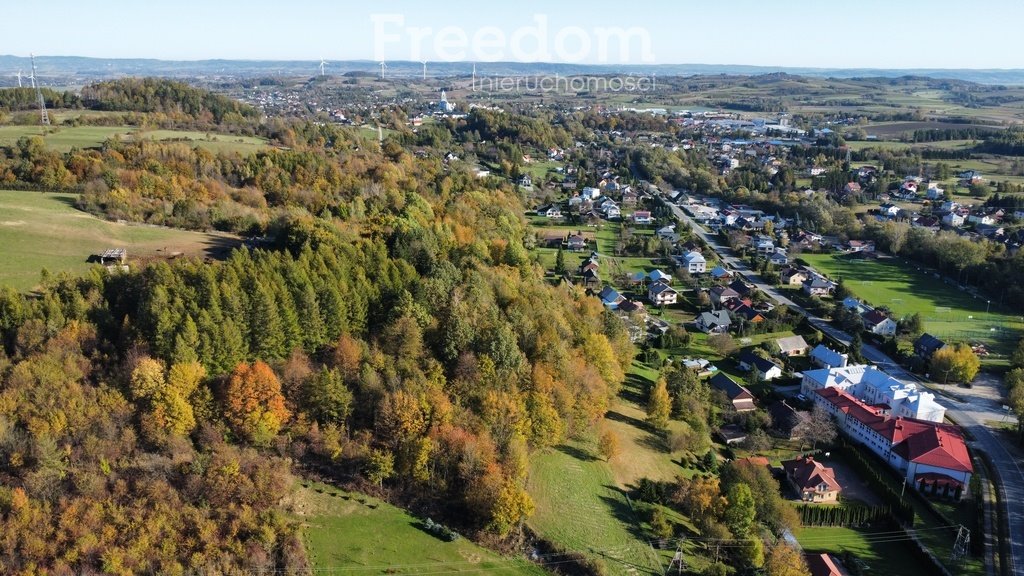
(77, 69)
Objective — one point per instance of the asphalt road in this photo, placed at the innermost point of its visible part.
(970, 409)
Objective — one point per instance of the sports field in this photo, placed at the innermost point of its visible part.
(948, 312)
(44, 230)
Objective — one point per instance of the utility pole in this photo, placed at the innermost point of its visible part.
(963, 539)
(678, 562)
(39, 94)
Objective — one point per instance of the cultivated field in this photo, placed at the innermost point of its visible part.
(43, 230)
(948, 312)
(355, 534)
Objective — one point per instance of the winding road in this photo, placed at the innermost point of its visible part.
(973, 409)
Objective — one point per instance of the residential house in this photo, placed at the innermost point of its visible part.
(763, 244)
(743, 309)
(931, 456)
(611, 298)
(722, 294)
(851, 303)
(812, 480)
(732, 434)
(668, 233)
(934, 192)
(825, 357)
(642, 217)
(954, 219)
(791, 346)
(576, 243)
(701, 366)
(818, 286)
(716, 322)
(792, 276)
(631, 306)
(889, 210)
(981, 218)
(851, 188)
(989, 230)
(764, 368)
(661, 294)
(659, 276)
(926, 345)
(525, 181)
(878, 322)
(612, 212)
(742, 288)
(590, 277)
(695, 263)
(860, 246)
(720, 273)
(741, 398)
(551, 211)
(779, 258)
(785, 419)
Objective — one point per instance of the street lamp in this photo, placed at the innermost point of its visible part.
(987, 304)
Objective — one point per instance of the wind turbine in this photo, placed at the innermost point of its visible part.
(424, 69)
(19, 78)
(383, 67)
(474, 73)
(323, 64)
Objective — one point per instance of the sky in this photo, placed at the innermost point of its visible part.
(792, 33)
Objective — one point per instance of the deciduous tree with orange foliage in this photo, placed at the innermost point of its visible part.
(254, 404)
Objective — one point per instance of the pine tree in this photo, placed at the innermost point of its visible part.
(559, 263)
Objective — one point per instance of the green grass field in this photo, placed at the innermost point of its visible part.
(883, 554)
(43, 230)
(226, 143)
(947, 311)
(64, 138)
(359, 535)
(579, 507)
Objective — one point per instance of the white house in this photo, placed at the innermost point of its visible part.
(661, 294)
(953, 220)
(552, 211)
(765, 369)
(695, 263)
(716, 322)
(825, 357)
(878, 322)
(642, 217)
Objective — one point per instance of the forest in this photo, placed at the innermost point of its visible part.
(391, 334)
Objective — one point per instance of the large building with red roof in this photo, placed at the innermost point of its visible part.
(931, 456)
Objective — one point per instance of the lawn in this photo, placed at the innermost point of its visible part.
(884, 553)
(64, 138)
(358, 534)
(42, 230)
(947, 311)
(580, 508)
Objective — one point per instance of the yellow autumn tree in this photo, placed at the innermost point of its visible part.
(511, 508)
(254, 404)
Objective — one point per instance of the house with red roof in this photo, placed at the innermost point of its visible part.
(812, 480)
(932, 456)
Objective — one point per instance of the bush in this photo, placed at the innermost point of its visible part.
(441, 531)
